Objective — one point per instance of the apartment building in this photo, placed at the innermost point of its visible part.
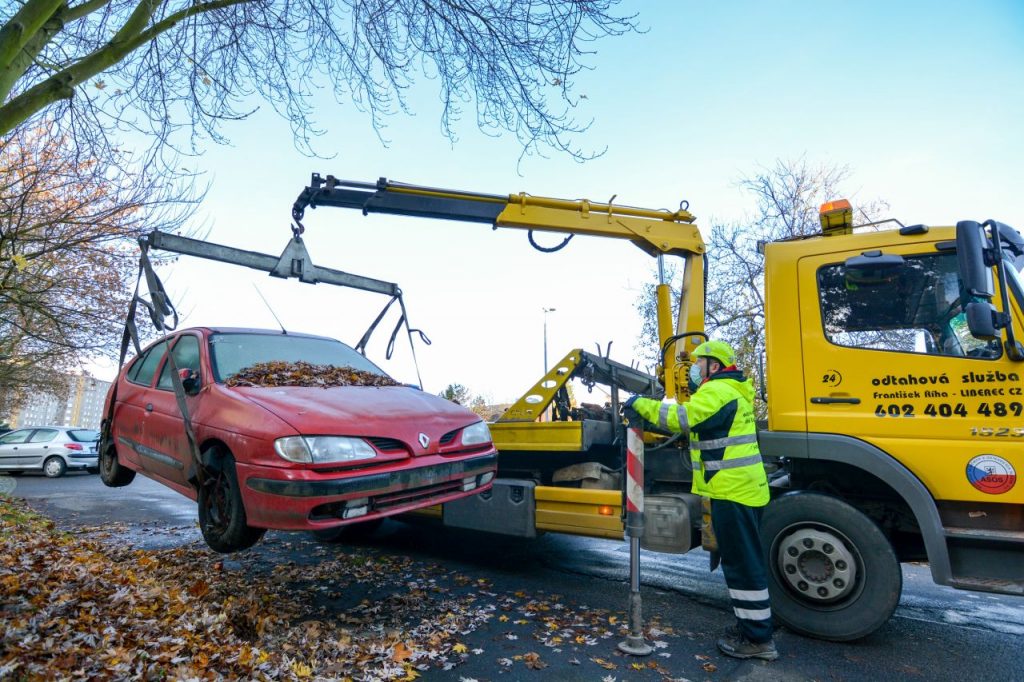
(82, 408)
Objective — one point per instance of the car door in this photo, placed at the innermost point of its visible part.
(166, 425)
(130, 413)
(41, 444)
(12, 447)
(888, 359)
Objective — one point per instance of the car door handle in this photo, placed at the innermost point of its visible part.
(149, 407)
(829, 400)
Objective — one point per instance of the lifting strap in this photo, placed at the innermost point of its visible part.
(160, 308)
(403, 319)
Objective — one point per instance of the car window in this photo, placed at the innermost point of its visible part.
(43, 435)
(231, 353)
(84, 435)
(19, 436)
(144, 369)
(186, 356)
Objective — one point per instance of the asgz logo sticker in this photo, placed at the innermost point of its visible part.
(991, 474)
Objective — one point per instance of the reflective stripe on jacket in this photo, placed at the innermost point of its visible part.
(723, 437)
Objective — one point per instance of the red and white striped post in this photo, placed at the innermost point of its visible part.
(634, 643)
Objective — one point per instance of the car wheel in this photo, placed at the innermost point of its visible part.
(54, 467)
(112, 472)
(832, 573)
(222, 518)
(353, 531)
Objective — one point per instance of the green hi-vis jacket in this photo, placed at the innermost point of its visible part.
(723, 437)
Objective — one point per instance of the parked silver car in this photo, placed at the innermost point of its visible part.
(50, 449)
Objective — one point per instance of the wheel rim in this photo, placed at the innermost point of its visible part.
(218, 504)
(818, 564)
(52, 467)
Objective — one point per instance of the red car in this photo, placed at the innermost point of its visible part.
(283, 456)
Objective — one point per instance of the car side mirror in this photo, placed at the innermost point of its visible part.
(189, 380)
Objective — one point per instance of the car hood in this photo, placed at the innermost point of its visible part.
(398, 412)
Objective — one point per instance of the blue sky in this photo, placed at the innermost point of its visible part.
(922, 100)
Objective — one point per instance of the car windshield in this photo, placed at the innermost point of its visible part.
(84, 435)
(233, 352)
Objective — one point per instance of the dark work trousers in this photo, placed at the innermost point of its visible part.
(736, 527)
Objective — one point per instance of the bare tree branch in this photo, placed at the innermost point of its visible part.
(192, 64)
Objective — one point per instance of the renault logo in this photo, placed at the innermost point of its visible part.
(424, 440)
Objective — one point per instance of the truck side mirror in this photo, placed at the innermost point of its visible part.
(973, 254)
(981, 320)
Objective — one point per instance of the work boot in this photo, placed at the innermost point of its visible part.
(739, 646)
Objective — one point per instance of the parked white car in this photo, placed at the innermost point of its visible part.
(51, 449)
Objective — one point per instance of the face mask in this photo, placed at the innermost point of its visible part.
(695, 376)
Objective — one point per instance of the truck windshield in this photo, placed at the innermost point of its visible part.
(1015, 272)
(231, 353)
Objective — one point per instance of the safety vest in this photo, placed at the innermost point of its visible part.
(723, 437)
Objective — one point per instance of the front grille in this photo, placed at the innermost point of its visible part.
(405, 497)
(448, 437)
(387, 501)
(387, 444)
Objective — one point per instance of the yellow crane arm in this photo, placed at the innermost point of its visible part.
(655, 231)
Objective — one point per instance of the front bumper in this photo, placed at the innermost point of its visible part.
(305, 499)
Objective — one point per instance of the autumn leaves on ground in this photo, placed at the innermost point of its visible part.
(86, 606)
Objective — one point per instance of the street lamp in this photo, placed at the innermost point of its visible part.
(546, 311)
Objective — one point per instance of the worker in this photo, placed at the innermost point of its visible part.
(727, 468)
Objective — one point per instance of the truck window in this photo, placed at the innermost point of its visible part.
(911, 308)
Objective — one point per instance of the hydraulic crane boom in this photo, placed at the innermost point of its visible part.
(657, 232)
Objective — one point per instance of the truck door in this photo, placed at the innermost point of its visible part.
(888, 359)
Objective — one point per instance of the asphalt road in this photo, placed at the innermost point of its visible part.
(937, 633)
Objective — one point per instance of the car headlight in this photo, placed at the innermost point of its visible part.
(323, 449)
(475, 434)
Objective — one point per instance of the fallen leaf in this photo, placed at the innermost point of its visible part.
(533, 661)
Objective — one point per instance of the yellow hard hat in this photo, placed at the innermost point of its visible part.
(719, 350)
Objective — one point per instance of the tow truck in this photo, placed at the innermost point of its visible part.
(894, 390)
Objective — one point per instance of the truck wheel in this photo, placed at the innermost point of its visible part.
(54, 467)
(353, 531)
(222, 517)
(832, 573)
(112, 472)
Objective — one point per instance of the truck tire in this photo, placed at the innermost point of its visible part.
(222, 518)
(353, 531)
(832, 573)
(112, 472)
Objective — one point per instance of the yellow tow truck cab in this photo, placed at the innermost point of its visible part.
(895, 414)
